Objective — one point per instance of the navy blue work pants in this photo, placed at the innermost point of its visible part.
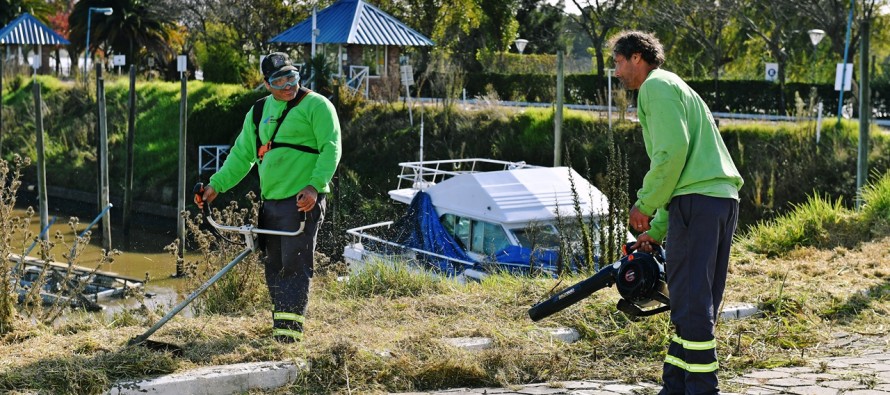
(700, 232)
(290, 260)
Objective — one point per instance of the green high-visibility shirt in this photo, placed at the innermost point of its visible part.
(285, 171)
(686, 152)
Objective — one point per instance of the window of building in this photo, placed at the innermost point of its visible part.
(374, 56)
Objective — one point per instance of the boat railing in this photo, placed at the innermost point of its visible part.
(360, 236)
(426, 173)
(378, 246)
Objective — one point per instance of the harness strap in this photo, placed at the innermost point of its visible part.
(271, 144)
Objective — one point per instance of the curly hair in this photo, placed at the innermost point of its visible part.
(629, 42)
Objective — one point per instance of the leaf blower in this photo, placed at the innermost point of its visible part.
(639, 277)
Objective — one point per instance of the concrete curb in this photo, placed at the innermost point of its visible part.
(739, 311)
(215, 380)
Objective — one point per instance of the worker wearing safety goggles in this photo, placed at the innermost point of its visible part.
(295, 143)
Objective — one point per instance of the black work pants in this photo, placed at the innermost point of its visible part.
(700, 232)
(290, 261)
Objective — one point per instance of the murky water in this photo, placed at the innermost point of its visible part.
(142, 256)
(142, 251)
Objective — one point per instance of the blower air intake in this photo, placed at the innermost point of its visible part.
(638, 276)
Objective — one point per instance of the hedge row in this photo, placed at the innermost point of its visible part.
(757, 96)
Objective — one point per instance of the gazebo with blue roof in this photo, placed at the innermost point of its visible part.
(27, 30)
(359, 37)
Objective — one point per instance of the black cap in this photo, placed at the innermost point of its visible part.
(276, 63)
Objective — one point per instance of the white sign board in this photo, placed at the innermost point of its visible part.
(407, 75)
(35, 62)
(772, 71)
(199, 75)
(181, 63)
(848, 77)
(120, 60)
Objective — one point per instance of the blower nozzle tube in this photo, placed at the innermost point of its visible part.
(571, 295)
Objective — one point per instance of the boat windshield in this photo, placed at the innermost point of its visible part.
(539, 236)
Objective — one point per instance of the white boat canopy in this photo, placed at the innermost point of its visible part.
(514, 198)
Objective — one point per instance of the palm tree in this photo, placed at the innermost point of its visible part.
(136, 29)
(11, 9)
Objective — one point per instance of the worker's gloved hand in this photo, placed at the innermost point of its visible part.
(204, 194)
(306, 198)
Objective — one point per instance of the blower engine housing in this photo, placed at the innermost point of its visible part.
(639, 277)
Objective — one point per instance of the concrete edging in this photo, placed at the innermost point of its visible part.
(215, 380)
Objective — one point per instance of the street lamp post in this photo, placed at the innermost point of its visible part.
(103, 10)
(816, 36)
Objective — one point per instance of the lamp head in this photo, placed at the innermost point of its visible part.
(816, 36)
(102, 10)
(520, 44)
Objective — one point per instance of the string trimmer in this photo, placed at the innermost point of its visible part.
(248, 231)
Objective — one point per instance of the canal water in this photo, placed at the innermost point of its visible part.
(142, 255)
(142, 252)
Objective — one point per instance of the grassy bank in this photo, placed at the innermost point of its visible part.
(782, 163)
(386, 329)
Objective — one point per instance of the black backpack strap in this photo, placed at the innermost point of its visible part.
(258, 109)
(258, 116)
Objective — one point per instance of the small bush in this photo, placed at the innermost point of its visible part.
(816, 223)
(391, 281)
(876, 201)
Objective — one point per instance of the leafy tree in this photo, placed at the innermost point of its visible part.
(832, 16)
(136, 28)
(448, 23)
(219, 57)
(543, 25)
(247, 34)
(11, 9)
(774, 23)
(704, 23)
(599, 20)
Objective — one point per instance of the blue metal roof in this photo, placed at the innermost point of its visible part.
(27, 30)
(353, 22)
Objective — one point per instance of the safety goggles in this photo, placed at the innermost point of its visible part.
(285, 80)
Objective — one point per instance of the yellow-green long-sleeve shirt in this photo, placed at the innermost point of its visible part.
(686, 152)
(285, 171)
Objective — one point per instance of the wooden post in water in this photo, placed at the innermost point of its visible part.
(180, 197)
(103, 157)
(41, 159)
(131, 136)
(2, 61)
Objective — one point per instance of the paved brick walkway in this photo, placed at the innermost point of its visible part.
(866, 371)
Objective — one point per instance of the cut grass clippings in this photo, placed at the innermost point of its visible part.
(387, 329)
(377, 339)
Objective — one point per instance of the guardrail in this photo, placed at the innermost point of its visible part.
(885, 123)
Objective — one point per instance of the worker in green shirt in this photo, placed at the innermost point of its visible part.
(295, 144)
(690, 196)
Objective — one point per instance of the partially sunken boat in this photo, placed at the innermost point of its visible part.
(471, 217)
(79, 287)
